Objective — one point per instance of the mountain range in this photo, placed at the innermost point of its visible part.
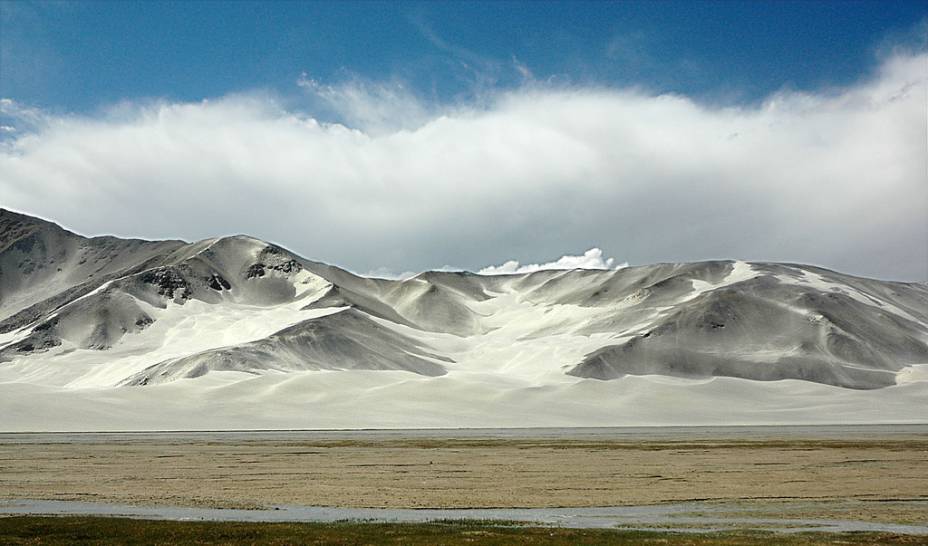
(104, 333)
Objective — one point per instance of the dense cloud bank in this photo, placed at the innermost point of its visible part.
(836, 178)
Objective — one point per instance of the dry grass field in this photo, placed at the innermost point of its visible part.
(884, 476)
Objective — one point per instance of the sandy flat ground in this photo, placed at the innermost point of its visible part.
(884, 477)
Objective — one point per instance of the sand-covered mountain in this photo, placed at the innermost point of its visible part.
(62, 294)
(110, 314)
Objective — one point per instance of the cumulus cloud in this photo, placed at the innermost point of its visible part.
(591, 259)
(835, 178)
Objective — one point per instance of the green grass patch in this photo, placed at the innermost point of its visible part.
(36, 530)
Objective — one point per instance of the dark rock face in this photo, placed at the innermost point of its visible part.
(216, 282)
(253, 271)
(273, 258)
(167, 281)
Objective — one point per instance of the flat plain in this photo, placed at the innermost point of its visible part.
(864, 474)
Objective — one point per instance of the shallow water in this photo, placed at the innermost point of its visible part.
(668, 517)
(669, 433)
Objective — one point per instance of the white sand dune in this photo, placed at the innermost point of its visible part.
(235, 333)
(390, 399)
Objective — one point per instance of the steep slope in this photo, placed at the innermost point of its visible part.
(97, 314)
(43, 266)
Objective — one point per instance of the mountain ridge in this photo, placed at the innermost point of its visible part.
(153, 312)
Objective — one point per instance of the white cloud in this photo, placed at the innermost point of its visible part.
(591, 259)
(835, 178)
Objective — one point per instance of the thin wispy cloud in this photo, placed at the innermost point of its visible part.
(374, 107)
(524, 71)
(17, 117)
(835, 178)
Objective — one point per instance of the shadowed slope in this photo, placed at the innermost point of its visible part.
(344, 340)
(768, 329)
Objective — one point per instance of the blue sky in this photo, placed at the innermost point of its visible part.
(77, 56)
(398, 137)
